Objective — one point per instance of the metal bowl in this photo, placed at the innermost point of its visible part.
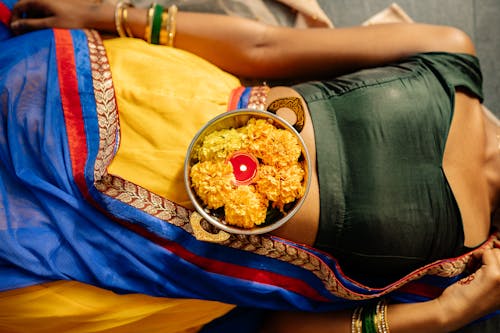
(236, 119)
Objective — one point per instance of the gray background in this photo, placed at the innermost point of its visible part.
(478, 18)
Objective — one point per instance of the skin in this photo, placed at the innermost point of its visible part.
(251, 49)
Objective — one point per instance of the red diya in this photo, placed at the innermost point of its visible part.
(245, 167)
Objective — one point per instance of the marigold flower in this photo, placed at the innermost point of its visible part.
(245, 207)
(212, 181)
(272, 145)
(219, 144)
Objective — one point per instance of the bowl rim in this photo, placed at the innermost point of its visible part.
(233, 229)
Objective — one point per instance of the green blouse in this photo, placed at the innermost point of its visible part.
(386, 205)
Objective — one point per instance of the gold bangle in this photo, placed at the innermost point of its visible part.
(149, 23)
(171, 25)
(118, 18)
(128, 31)
(356, 322)
(121, 15)
(163, 29)
(381, 317)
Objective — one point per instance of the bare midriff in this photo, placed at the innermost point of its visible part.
(463, 165)
(303, 226)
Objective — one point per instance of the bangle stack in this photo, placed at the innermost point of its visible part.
(161, 25)
(121, 16)
(372, 319)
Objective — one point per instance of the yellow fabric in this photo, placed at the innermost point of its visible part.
(72, 307)
(164, 96)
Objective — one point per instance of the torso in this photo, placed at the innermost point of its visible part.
(463, 164)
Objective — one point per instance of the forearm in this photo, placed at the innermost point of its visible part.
(402, 318)
(252, 49)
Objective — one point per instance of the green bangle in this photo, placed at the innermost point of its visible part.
(156, 26)
(369, 320)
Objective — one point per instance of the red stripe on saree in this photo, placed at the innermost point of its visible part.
(5, 14)
(228, 269)
(422, 289)
(70, 99)
(234, 98)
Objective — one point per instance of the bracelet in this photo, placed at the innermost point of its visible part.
(128, 31)
(171, 25)
(356, 322)
(381, 317)
(149, 24)
(156, 24)
(368, 320)
(163, 28)
(372, 319)
(121, 18)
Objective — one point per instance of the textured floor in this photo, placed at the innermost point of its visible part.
(479, 18)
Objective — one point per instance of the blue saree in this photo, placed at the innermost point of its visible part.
(65, 218)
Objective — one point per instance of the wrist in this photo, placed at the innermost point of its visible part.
(101, 17)
(450, 316)
(429, 316)
(443, 315)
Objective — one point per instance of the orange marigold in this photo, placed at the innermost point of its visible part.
(245, 207)
(212, 181)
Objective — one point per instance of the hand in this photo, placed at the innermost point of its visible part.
(28, 15)
(477, 295)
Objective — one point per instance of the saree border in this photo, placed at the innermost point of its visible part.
(71, 105)
(5, 14)
(324, 267)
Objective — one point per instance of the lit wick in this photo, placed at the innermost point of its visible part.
(244, 167)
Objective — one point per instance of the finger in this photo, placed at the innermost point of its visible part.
(478, 255)
(19, 9)
(491, 257)
(496, 243)
(26, 25)
(496, 255)
(29, 9)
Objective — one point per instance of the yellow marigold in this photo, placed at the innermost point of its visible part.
(219, 144)
(245, 207)
(212, 181)
(291, 184)
(281, 185)
(269, 182)
(272, 145)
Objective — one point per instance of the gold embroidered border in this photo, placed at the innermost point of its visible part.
(170, 212)
(258, 97)
(106, 107)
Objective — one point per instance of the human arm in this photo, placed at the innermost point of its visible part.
(459, 305)
(251, 49)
